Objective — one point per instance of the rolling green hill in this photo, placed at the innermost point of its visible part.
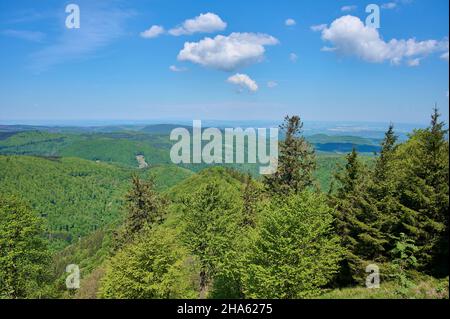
(73, 195)
(119, 148)
(152, 142)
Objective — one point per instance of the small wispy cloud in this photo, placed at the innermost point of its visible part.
(244, 82)
(27, 16)
(102, 23)
(318, 27)
(204, 23)
(349, 8)
(293, 57)
(389, 5)
(290, 22)
(175, 68)
(413, 62)
(272, 84)
(327, 49)
(153, 32)
(33, 36)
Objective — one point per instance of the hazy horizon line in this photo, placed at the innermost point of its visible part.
(175, 121)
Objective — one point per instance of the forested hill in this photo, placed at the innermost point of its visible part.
(122, 147)
(75, 196)
(164, 231)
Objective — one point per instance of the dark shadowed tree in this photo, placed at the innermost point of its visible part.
(357, 219)
(296, 160)
(423, 170)
(144, 206)
(383, 188)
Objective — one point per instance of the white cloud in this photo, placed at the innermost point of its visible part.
(272, 84)
(348, 8)
(244, 82)
(444, 56)
(350, 36)
(389, 5)
(327, 49)
(319, 27)
(290, 22)
(293, 57)
(413, 62)
(227, 53)
(153, 32)
(204, 23)
(174, 68)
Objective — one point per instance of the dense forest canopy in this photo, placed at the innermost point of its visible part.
(166, 231)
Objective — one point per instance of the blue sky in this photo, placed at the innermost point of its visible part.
(223, 60)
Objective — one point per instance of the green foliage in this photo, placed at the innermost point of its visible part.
(74, 196)
(405, 192)
(251, 197)
(222, 235)
(154, 267)
(424, 287)
(327, 165)
(165, 176)
(23, 252)
(403, 259)
(89, 253)
(403, 253)
(423, 172)
(383, 187)
(296, 161)
(357, 220)
(120, 148)
(145, 208)
(197, 181)
(211, 218)
(294, 251)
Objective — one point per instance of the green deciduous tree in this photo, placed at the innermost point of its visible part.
(211, 217)
(24, 258)
(155, 266)
(294, 251)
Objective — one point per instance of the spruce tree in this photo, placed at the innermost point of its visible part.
(357, 219)
(145, 208)
(424, 171)
(383, 188)
(296, 160)
(382, 165)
